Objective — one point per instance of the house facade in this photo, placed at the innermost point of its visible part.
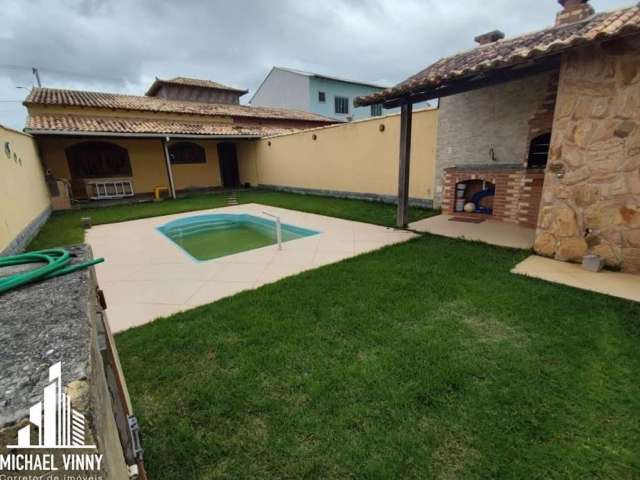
(311, 92)
(541, 130)
(185, 134)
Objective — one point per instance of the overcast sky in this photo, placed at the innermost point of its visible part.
(121, 45)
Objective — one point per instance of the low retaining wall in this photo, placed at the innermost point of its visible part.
(22, 240)
(372, 197)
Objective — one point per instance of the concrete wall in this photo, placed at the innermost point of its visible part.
(283, 89)
(471, 124)
(147, 163)
(354, 158)
(591, 196)
(24, 197)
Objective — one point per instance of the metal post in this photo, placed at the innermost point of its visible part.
(278, 229)
(167, 158)
(404, 163)
(37, 75)
(279, 233)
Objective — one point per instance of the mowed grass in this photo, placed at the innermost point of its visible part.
(64, 228)
(423, 360)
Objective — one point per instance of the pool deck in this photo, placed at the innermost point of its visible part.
(146, 276)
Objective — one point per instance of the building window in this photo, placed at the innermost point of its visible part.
(539, 151)
(376, 110)
(322, 97)
(342, 105)
(183, 153)
(98, 160)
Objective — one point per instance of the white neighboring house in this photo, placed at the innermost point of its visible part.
(312, 92)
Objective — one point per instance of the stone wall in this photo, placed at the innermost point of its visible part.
(591, 197)
(488, 126)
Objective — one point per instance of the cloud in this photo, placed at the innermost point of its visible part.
(121, 45)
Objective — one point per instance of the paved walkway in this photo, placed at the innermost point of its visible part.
(623, 285)
(493, 232)
(146, 276)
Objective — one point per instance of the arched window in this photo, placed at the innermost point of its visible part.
(539, 151)
(186, 152)
(96, 159)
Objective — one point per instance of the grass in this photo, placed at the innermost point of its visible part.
(422, 360)
(64, 228)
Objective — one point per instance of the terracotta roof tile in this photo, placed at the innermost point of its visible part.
(192, 82)
(602, 26)
(41, 123)
(80, 98)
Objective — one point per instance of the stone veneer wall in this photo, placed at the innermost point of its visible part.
(591, 197)
(498, 117)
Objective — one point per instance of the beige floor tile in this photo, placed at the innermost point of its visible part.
(325, 258)
(171, 292)
(336, 246)
(503, 234)
(212, 291)
(285, 257)
(277, 272)
(127, 315)
(617, 284)
(238, 272)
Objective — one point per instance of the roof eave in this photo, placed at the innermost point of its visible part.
(79, 133)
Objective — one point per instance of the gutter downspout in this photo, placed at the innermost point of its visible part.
(172, 189)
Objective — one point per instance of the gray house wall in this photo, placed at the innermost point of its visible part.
(283, 89)
(471, 124)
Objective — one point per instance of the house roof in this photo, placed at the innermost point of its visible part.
(329, 77)
(511, 52)
(191, 82)
(114, 101)
(84, 125)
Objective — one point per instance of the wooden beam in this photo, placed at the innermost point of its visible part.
(486, 79)
(404, 164)
(167, 159)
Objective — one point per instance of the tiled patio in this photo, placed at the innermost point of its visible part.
(623, 285)
(493, 232)
(146, 276)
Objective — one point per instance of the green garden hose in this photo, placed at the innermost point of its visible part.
(56, 260)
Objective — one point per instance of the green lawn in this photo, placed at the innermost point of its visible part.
(64, 228)
(423, 360)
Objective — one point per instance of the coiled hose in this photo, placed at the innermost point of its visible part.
(57, 262)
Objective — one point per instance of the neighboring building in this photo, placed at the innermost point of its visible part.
(311, 92)
(184, 134)
(541, 130)
(195, 90)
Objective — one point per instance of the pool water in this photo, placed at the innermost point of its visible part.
(205, 237)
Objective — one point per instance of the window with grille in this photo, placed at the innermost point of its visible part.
(95, 159)
(183, 153)
(342, 105)
(539, 151)
(376, 110)
(322, 97)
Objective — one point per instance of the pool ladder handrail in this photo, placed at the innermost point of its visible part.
(278, 228)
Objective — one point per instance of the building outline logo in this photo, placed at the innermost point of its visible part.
(59, 425)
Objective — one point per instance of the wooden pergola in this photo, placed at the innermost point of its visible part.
(443, 89)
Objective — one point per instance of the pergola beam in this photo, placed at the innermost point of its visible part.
(404, 164)
(486, 79)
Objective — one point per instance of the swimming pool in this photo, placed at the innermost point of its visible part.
(205, 237)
